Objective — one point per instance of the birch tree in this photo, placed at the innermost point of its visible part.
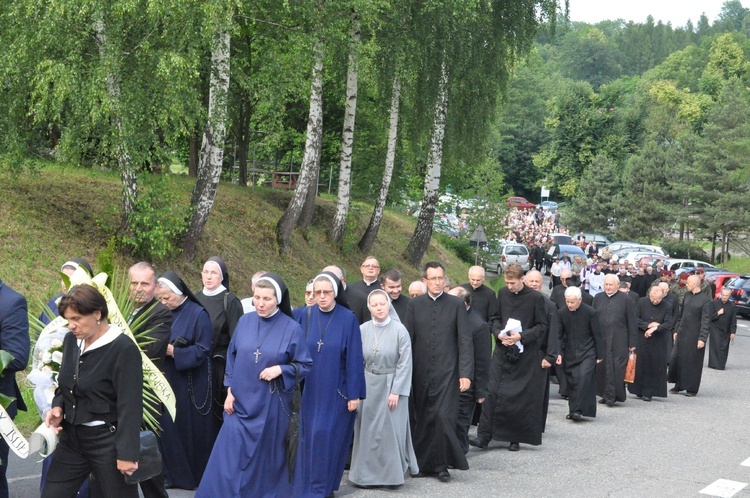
(212, 146)
(338, 227)
(308, 177)
(371, 233)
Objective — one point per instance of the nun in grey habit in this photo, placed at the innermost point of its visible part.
(383, 451)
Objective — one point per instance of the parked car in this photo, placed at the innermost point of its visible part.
(548, 205)
(520, 202)
(560, 238)
(616, 246)
(740, 294)
(635, 257)
(600, 240)
(510, 252)
(557, 250)
(721, 279)
(676, 264)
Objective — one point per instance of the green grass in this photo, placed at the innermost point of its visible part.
(53, 213)
(737, 264)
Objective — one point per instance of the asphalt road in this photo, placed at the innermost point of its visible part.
(676, 446)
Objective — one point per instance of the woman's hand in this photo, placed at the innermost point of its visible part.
(54, 419)
(170, 350)
(352, 405)
(270, 373)
(229, 402)
(392, 401)
(126, 468)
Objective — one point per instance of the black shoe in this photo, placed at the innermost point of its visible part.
(602, 401)
(647, 398)
(514, 447)
(675, 390)
(444, 476)
(423, 474)
(610, 403)
(576, 416)
(479, 443)
(690, 395)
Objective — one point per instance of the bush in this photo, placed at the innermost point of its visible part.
(460, 247)
(157, 222)
(684, 250)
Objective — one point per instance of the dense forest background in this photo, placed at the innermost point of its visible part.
(642, 128)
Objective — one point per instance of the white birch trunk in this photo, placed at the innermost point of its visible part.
(212, 145)
(310, 163)
(338, 228)
(127, 171)
(368, 239)
(420, 241)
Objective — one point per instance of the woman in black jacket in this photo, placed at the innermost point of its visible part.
(98, 405)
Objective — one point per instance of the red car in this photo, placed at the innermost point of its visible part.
(520, 202)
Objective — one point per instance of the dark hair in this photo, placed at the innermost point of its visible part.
(391, 274)
(83, 299)
(431, 264)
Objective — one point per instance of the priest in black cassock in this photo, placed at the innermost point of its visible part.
(619, 325)
(686, 365)
(723, 329)
(514, 408)
(443, 357)
(477, 393)
(582, 347)
(549, 348)
(557, 295)
(357, 292)
(655, 321)
(483, 299)
(390, 281)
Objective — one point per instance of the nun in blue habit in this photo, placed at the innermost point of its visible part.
(249, 457)
(186, 441)
(332, 390)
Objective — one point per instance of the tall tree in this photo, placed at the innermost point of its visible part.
(338, 227)
(595, 205)
(212, 147)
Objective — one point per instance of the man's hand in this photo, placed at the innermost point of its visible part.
(701, 344)
(464, 384)
(546, 364)
(559, 360)
(720, 312)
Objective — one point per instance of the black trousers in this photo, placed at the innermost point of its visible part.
(83, 450)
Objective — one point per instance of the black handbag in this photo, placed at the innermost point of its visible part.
(149, 460)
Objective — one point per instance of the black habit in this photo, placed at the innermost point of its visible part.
(442, 353)
(514, 408)
(581, 344)
(483, 301)
(549, 348)
(619, 325)
(482, 338)
(639, 285)
(650, 369)
(356, 295)
(722, 327)
(686, 365)
(400, 304)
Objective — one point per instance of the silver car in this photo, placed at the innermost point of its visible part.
(510, 253)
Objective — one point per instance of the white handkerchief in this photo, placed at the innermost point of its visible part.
(513, 325)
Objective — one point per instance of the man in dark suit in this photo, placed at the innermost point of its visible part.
(357, 291)
(14, 338)
(158, 323)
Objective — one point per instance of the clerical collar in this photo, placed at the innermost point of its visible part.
(371, 282)
(436, 297)
(610, 295)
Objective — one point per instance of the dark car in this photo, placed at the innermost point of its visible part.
(557, 251)
(740, 287)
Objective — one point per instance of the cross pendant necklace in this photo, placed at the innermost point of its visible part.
(323, 331)
(257, 353)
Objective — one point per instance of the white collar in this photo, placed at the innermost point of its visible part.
(214, 292)
(110, 335)
(436, 297)
(370, 282)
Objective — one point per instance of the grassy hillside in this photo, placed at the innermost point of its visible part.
(53, 214)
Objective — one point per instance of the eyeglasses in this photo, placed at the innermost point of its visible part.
(371, 267)
(323, 292)
(436, 279)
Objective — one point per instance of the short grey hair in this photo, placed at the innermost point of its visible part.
(573, 292)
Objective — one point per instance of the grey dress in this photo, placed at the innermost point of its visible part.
(383, 450)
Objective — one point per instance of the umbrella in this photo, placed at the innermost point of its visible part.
(292, 433)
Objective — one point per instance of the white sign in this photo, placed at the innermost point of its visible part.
(545, 192)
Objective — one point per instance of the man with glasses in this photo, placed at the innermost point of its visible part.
(443, 358)
(357, 292)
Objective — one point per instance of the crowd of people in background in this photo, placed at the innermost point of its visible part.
(389, 383)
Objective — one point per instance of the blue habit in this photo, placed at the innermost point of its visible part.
(327, 426)
(249, 457)
(187, 441)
